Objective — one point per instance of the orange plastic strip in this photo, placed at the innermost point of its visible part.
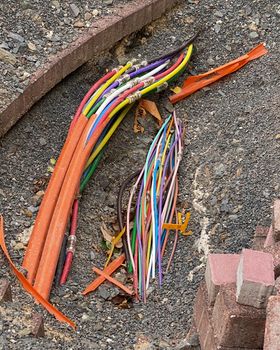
(197, 82)
(113, 280)
(50, 254)
(112, 267)
(39, 233)
(28, 287)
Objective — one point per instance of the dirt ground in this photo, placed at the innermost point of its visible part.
(228, 177)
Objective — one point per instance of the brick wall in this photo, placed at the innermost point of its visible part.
(238, 304)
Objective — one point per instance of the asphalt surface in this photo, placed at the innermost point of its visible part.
(228, 177)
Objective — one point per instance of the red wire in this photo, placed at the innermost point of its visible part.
(170, 69)
(70, 254)
(88, 95)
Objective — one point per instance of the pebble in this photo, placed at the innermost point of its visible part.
(25, 234)
(31, 46)
(103, 292)
(92, 256)
(95, 13)
(42, 141)
(19, 246)
(7, 57)
(16, 49)
(253, 26)
(218, 14)
(108, 2)
(221, 93)
(23, 332)
(98, 326)
(85, 317)
(253, 35)
(56, 4)
(266, 193)
(211, 61)
(213, 200)
(4, 46)
(220, 170)
(2, 342)
(16, 37)
(79, 24)
(248, 10)
(33, 209)
(75, 10)
(99, 306)
(36, 200)
(88, 16)
(225, 207)
(217, 28)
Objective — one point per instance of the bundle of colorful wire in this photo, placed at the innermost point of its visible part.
(99, 114)
(157, 187)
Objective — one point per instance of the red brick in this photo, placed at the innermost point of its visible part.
(220, 269)
(276, 220)
(272, 325)
(260, 237)
(255, 278)
(269, 238)
(235, 325)
(103, 35)
(202, 318)
(277, 286)
(274, 250)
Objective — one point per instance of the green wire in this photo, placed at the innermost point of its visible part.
(95, 108)
(91, 171)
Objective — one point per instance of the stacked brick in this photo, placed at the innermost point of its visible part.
(238, 304)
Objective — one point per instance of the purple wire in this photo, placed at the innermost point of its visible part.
(147, 68)
(138, 226)
(132, 75)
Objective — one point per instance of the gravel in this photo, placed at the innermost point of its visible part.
(228, 178)
(33, 31)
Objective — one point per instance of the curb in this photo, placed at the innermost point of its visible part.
(103, 35)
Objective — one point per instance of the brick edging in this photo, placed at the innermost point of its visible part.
(103, 35)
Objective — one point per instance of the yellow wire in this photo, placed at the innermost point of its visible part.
(156, 84)
(170, 75)
(151, 87)
(108, 135)
(149, 247)
(113, 243)
(104, 87)
(162, 162)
